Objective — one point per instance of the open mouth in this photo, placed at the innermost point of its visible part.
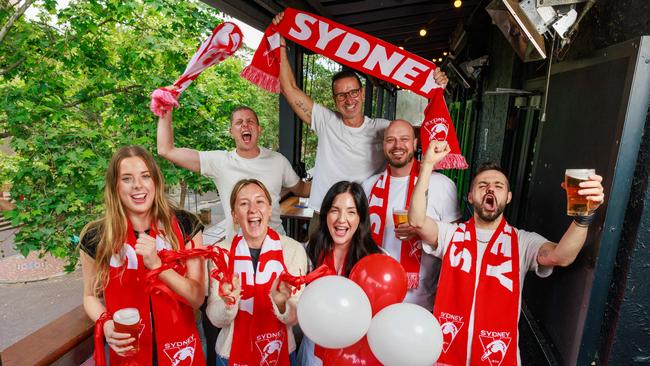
(398, 153)
(139, 198)
(340, 230)
(490, 202)
(246, 136)
(255, 223)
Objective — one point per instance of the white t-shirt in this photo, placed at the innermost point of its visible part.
(442, 205)
(226, 168)
(343, 152)
(529, 244)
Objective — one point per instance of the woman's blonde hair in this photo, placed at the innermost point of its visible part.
(243, 183)
(111, 229)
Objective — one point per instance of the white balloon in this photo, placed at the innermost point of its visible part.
(334, 312)
(405, 334)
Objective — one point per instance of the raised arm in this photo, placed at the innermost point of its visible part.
(425, 226)
(300, 102)
(565, 252)
(183, 157)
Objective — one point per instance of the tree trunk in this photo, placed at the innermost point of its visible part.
(19, 12)
(181, 200)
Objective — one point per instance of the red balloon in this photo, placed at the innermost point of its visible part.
(382, 278)
(358, 354)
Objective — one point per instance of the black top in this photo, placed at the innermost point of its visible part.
(188, 222)
(255, 256)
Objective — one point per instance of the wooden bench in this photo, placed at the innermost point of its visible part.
(67, 340)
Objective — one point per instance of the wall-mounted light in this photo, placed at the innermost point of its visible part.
(444, 53)
(423, 32)
(458, 3)
(440, 59)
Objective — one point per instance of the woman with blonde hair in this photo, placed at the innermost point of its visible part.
(122, 248)
(256, 311)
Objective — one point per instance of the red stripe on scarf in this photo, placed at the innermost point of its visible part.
(411, 252)
(496, 311)
(259, 338)
(173, 318)
(361, 52)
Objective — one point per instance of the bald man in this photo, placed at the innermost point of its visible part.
(391, 190)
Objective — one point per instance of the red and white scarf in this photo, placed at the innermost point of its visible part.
(259, 338)
(361, 52)
(496, 309)
(222, 43)
(177, 339)
(411, 252)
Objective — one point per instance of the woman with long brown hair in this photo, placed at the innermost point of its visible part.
(119, 250)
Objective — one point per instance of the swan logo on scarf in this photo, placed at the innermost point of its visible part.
(438, 128)
(495, 346)
(269, 345)
(181, 353)
(451, 325)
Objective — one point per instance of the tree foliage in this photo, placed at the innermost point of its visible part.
(75, 85)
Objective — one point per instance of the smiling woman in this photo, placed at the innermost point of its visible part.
(256, 311)
(119, 251)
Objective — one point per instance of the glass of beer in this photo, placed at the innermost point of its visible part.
(400, 216)
(577, 205)
(127, 320)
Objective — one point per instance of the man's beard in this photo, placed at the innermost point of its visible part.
(399, 164)
(489, 216)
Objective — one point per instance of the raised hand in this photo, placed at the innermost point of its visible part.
(231, 292)
(280, 293)
(146, 247)
(436, 151)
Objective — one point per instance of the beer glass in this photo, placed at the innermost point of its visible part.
(577, 205)
(127, 320)
(400, 216)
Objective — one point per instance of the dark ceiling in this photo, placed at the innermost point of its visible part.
(395, 21)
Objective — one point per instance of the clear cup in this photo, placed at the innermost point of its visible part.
(577, 205)
(400, 216)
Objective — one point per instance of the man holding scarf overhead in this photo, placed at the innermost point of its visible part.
(392, 189)
(349, 143)
(484, 264)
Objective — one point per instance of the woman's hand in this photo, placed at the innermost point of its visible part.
(231, 291)
(146, 247)
(280, 293)
(119, 342)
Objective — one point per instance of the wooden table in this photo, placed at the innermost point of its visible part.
(296, 216)
(290, 209)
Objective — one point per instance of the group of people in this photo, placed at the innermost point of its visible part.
(364, 169)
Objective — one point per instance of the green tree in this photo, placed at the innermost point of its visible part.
(75, 86)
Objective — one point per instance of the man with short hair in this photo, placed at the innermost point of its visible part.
(226, 168)
(484, 264)
(392, 190)
(349, 143)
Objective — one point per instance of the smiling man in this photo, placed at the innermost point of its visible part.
(484, 264)
(392, 190)
(226, 168)
(349, 143)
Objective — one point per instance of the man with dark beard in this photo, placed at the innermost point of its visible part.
(392, 189)
(484, 264)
